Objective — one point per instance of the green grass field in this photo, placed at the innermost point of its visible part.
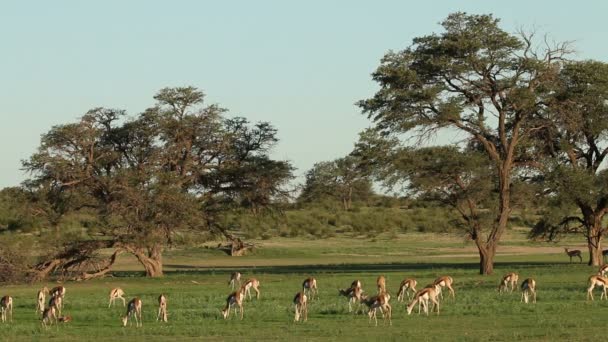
(196, 286)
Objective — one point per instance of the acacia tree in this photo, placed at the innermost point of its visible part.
(343, 179)
(176, 166)
(578, 146)
(477, 79)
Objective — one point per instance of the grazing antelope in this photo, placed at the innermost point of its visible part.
(300, 301)
(596, 280)
(115, 294)
(310, 285)
(603, 270)
(574, 253)
(235, 277)
(162, 308)
(41, 299)
(354, 296)
(445, 281)
(509, 278)
(406, 286)
(381, 283)
(423, 297)
(528, 287)
(57, 303)
(376, 302)
(133, 309)
(48, 315)
(6, 308)
(251, 284)
(234, 298)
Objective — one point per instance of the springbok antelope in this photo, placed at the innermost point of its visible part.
(379, 301)
(406, 286)
(528, 287)
(597, 280)
(310, 285)
(381, 284)
(162, 308)
(235, 277)
(509, 278)
(423, 297)
(41, 299)
(603, 270)
(300, 301)
(48, 315)
(445, 281)
(133, 310)
(58, 291)
(57, 303)
(354, 296)
(234, 299)
(6, 308)
(251, 284)
(574, 253)
(115, 294)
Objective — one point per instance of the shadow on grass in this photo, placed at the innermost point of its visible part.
(342, 268)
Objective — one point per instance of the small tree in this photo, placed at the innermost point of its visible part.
(343, 179)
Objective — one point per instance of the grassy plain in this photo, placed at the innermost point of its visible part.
(196, 285)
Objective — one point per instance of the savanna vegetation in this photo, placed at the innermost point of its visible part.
(185, 192)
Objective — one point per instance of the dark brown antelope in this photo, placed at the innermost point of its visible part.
(574, 253)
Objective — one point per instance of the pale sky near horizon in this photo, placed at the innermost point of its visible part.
(300, 65)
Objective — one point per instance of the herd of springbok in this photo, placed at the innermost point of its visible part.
(429, 295)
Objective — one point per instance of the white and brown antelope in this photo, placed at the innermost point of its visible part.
(251, 284)
(310, 285)
(381, 302)
(48, 315)
(57, 291)
(301, 306)
(528, 288)
(423, 297)
(597, 280)
(509, 279)
(235, 299)
(406, 286)
(603, 270)
(445, 281)
(133, 312)
(116, 293)
(574, 253)
(6, 308)
(57, 303)
(235, 278)
(162, 308)
(41, 299)
(381, 284)
(353, 294)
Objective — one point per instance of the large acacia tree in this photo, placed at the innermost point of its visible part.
(479, 80)
(578, 147)
(177, 166)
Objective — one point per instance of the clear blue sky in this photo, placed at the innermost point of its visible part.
(298, 64)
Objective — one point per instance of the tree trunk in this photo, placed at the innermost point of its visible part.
(487, 252)
(594, 243)
(152, 260)
(593, 223)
